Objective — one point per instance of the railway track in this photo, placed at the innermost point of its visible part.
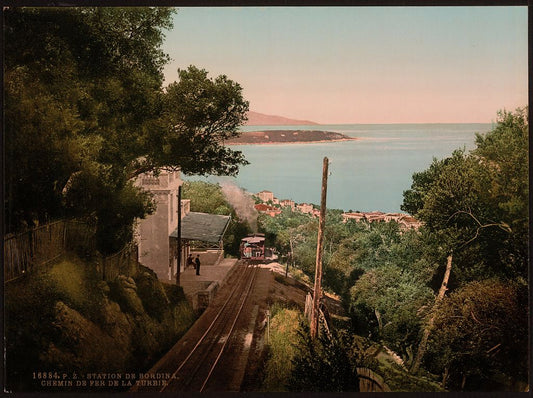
(194, 365)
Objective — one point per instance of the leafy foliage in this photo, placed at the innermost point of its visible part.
(381, 272)
(481, 330)
(283, 337)
(199, 114)
(205, 197)
(476, 203)
(396, 300)
(327, 363)
(86, 113)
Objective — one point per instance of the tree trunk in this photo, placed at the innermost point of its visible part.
(380, 323)
(463, 382)
(445, 376)
(423, 343)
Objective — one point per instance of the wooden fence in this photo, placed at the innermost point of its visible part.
(34, 248)
(369, 381)
(125, 262)
(29, 250)
(308, 313)
(80, 238)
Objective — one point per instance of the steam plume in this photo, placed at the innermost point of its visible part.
(242, 202)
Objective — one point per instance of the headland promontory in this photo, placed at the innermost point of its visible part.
(287, 137)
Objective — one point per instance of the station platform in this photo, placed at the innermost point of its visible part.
(200, 289)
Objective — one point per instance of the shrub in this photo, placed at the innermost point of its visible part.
(326, 363)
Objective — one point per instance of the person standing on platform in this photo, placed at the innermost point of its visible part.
(190, 261)
(197, 261)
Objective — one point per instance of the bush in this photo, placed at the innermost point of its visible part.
(327, 363)
(29, 314)
(281, 347)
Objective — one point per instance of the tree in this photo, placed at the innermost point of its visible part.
(396, 301)
(279, 230)
(431, 320)
(481, 330)
(86, 113)
(205, 197)
(198, 115)
(476, 203)
(422, 181)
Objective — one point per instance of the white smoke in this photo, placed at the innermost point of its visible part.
(242, 202)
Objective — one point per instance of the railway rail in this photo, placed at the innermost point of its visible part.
(214, 356)
(194, 367)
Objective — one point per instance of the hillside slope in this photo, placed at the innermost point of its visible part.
(260, 119)
(65, 319)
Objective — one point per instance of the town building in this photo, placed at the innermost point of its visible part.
(408, 222)
(353, 216)
(157, 234)
(153, 231)
(287, 203)
(375, 216)
(315, 212)
(404, 220)
(305, 208)
(265, 196)
(266, 209)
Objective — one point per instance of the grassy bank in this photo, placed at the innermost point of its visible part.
(282, 351)
(281, 348)
(66, 319)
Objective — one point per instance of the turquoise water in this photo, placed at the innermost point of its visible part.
(367, 174)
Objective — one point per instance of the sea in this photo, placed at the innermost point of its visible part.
(368, 174)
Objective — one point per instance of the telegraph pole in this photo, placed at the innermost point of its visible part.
(318, 269)
(179, 238)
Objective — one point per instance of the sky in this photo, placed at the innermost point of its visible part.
(335, 65)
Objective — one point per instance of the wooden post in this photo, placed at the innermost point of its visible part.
(319, 250)
(292, 257)
(179, 238)
(64, 236)
(268, 326)
(179, 249)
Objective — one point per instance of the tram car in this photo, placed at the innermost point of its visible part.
(253, 247)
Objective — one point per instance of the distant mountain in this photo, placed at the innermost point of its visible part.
(260, 119)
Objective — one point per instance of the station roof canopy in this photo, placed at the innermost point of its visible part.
(254, 239)
(203, 227)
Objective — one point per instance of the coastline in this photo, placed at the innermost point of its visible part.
(293, 142)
